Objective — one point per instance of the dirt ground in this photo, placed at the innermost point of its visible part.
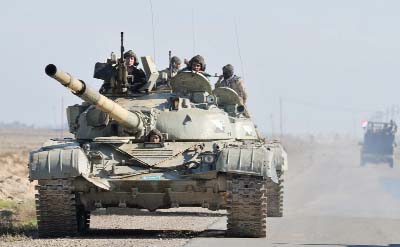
(330, 200)
(15, 146)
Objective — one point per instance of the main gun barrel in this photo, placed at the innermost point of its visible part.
(130, 120)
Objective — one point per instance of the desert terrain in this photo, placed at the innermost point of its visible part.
(15, 145)
(330, 200)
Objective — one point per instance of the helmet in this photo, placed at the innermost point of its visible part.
(228, 71)
(155, 132)
(130, 53)
(175, 60)
(198, 59)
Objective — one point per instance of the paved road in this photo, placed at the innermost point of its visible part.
(311, 231)
(330, 201)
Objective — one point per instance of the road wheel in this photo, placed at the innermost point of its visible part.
(56, 208)
(246, 206)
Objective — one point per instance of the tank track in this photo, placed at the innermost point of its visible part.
(246, 206)
(275, 197)
(56, 210)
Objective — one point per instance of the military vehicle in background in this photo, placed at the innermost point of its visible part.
(379, 142)
(207, 154)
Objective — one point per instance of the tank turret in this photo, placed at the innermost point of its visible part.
(130, 120)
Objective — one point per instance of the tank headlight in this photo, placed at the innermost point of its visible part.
(210, 99)
(208, 158)
(240, 108)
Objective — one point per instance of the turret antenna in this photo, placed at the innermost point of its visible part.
(238, 47)
(193, 33)
(152, 27)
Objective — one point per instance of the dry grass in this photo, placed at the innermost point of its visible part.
(17, 220)
(17, 207)
(15, 146)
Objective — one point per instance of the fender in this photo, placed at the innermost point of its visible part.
(58, 159)
(252, 160)
(280, 155)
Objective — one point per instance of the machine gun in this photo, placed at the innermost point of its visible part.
(114, 73)
(122, 68)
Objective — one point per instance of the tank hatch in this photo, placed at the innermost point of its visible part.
(188, 81)
(227, 96)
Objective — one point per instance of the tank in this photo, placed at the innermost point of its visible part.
(187, 146)
(379, 142)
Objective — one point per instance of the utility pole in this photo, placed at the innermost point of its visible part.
(62, 118)
(272, 125)
(280, 118)
(396, 113)
(354, 125)
(387, 114)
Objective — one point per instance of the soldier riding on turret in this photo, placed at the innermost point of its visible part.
(229, 79)
(196, 64)
(136, 76)
(168, 73)
(120, 76)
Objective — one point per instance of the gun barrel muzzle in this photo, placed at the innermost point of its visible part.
(130, 120)
(65, 79)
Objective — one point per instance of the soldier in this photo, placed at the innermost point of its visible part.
(136, 76)
(229, 79)
(196, 64)
(155, 136)
(169, 72)
(175, 64)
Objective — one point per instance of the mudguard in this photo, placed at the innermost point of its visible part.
(58, 159)
(253, 160)
(280, 155)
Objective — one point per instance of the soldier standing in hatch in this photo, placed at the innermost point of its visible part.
(229, 79)
(196, 64)
(169, 72)
(175, 64)
(136, 76)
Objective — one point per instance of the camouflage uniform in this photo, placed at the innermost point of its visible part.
(234, 82)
